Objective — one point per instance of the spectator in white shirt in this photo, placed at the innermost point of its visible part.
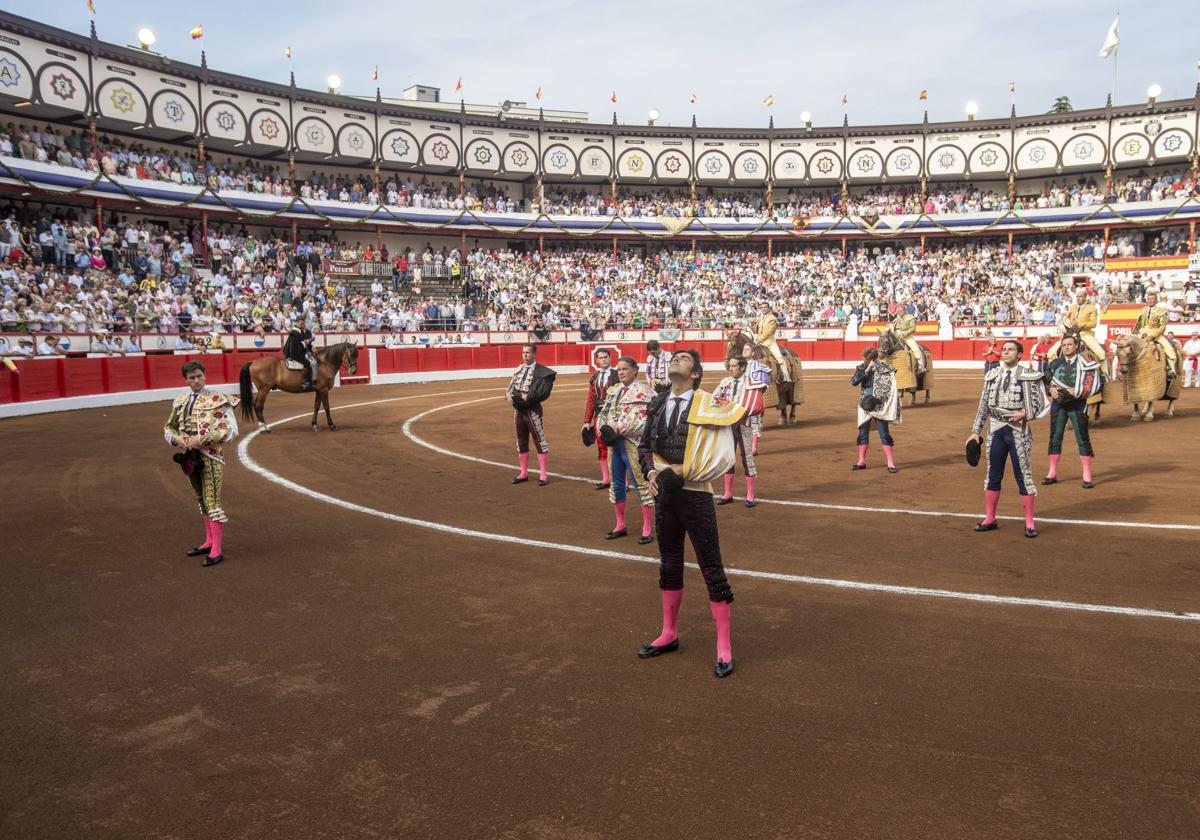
(49, 346)
(1191, 362)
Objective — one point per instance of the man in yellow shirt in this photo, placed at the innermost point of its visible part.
(1152, 325)
(764, 334)
(1082, 317)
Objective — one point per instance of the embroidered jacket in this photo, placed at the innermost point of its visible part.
(1007, 390)
(624, 409)
(598, 387)
(211, 419)
(1152, 321)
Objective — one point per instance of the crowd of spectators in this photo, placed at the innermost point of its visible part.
(60, 275)
(72, 148)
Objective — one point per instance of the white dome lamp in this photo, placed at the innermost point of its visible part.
(1153, 92)
(146, 37)
(806, 116)
(334, 81)
(972, 110)
(652, 115)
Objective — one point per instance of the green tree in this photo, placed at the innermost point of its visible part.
(1061, 105)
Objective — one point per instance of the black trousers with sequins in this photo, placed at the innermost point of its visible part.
(692, 514)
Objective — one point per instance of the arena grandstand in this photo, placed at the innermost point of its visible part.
(159, 216)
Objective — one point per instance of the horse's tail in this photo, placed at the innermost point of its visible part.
(247, 393)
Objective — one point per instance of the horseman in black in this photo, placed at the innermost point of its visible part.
(299, 349)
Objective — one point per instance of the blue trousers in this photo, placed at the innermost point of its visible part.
(1002, 447)
(864, 432)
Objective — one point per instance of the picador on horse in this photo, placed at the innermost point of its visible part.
(298, 351)
(761, 346)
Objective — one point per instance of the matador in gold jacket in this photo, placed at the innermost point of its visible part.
(1083, 318)
(764, 334)
(1152, 325)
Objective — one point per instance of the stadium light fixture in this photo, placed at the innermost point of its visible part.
(334, 81)
(652, 115)
(146, 37)
(806, 116)
(972, 110)
(1153, 92)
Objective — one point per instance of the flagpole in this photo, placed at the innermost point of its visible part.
(1116, 52)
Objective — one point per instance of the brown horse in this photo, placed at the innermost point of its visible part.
(271, 372)
(790, 394)
(1143, 375)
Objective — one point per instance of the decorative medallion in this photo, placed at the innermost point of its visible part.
(226, 121)
(356, 141)
(989, 157)
(595, 163)
(483, 155)
(866, 163)
(1037, 154)
(400, 146)
(904, 162)
(63, 86)
(1132, 147)
(1173, 142)
(1153, 128)
(441, 150)
(520, 157)
(315, 133)
(173, 110)
(750, 164)
(122, 99)
(713, 165)
(789, 164)
(269, 128)
(825, 165)
(946, 160)
(672, 164)
(559, 159)
(636, 163)
(10, 73)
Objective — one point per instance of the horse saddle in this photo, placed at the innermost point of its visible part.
(292, 364)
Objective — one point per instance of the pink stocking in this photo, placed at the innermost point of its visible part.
(1027, 503)
(671, 599)
(543, 460)
(750, 488)
(604, 479)
(1086, 461)
(1053, 473)
(993, 502)
(218, 532)
(720, 614)
(523, 460)
(862, 454)
(647, 520)
(891, 460)
(728, 486)
(619, 507)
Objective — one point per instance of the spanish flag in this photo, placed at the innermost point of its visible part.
(288, 52)
(614, 96)
(538, 94)
(924, 95)
(375, 74)
(770, 100)
(845, 98)
(92, 7)
(197, 33)
(458, 87)
(693, 99)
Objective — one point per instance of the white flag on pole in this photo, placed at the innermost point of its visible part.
(1113, 39)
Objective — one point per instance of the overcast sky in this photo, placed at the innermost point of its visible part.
(657, 53)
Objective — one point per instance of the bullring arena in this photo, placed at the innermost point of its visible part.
(401, 642)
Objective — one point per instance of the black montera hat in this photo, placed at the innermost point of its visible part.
(974, 451)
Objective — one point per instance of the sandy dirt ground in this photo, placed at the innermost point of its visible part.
(380, 673)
